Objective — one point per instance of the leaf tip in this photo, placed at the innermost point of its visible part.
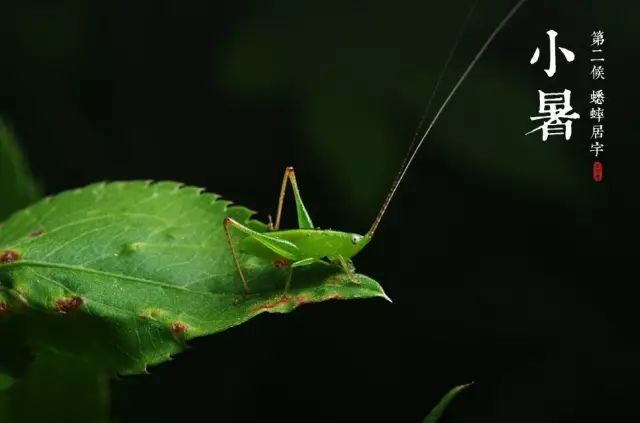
(435, 414)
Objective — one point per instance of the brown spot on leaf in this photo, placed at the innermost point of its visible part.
(9, 256)
(302, 299)
(273, 304)
(66, 305)
(3, 309)
(178, 328)
(334, 297)
(35, 233)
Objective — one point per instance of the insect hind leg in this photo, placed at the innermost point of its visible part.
(225, 224)
(304, 220)
(281, 247)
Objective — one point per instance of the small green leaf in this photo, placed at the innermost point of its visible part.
(17, 187)
(437, 411)
(125, 273)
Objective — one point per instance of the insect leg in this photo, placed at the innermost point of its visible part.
(228, 221)
(304, 220)
(299, 263)
(347, 265)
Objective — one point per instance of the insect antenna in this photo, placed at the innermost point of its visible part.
(452, 51)
(413, 149)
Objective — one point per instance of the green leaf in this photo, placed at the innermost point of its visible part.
(17, 187)
(125, 273)
(437, 411)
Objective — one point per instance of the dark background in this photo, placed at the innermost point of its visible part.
(507, 264)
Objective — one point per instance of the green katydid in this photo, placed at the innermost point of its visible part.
(307, 244)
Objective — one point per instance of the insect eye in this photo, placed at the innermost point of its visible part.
(355, 238)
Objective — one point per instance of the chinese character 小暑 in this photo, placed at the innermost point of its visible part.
(555, 108)
(568, 54)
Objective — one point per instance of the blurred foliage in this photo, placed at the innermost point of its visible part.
(17, 187)
(57, 388)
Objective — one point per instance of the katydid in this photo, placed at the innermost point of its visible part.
(307, 244)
